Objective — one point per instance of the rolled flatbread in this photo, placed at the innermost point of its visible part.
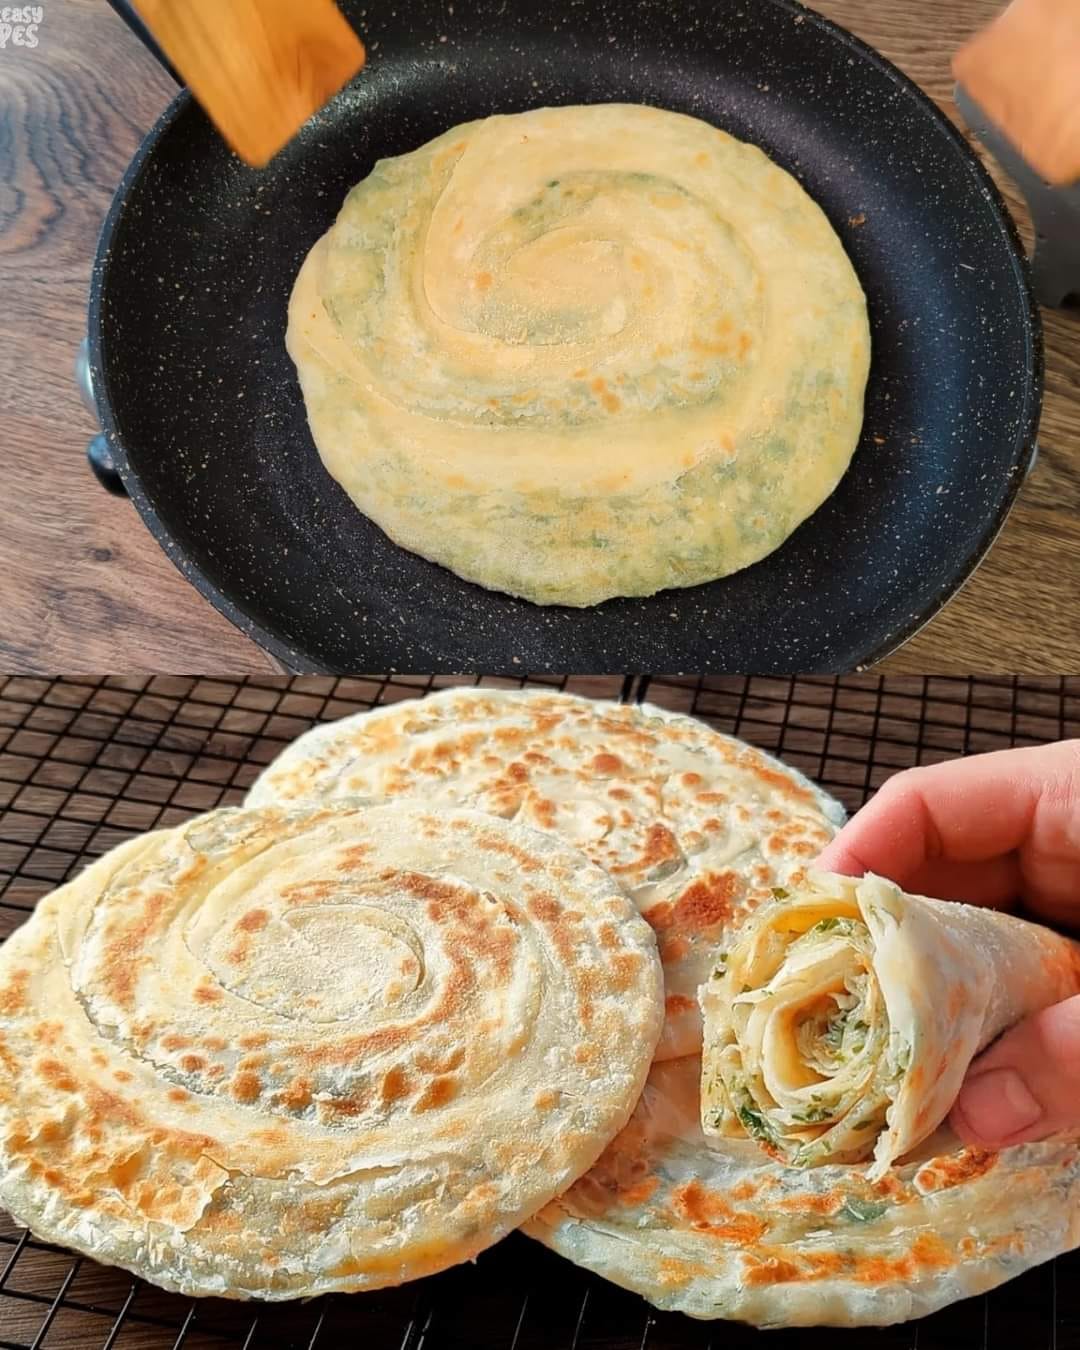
(695, 826)
(843, 1018)
(273, 1054)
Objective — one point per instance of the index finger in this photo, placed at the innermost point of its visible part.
(987, 825)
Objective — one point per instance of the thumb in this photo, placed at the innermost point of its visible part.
(1027, 1085)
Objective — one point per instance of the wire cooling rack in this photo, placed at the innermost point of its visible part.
(85, 763)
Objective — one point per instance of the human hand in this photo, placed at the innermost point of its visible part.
(998, 829)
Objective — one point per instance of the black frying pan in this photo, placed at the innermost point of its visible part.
(205, 422)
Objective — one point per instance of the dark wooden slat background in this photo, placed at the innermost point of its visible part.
(82, 583)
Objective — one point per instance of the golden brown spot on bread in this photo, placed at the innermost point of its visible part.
(678, 1003)
(352, 858)
(253, 1040)
(177, 1095)
(544, 812)
(192, 1063)
(213, 1043)
(246, 1086)
(673, 947)
(122, 1075)
(941, 1173)
(605, 763)
(544, 1101)
(173, 1042)
(296, 1095)
(13, 994)
(787, 787)
(609, 937)
(482, 281)
(308, 892)
(773, 1270)
(494, 844)
(125, 950)
(440, 1062)
(56, 1075)
(704, 903)
(825, 1203)
(437, 1093)
(395, 1085)
(207, 993)
(710, 1213)
(345, 1106)
(253, 920)
(659, 846)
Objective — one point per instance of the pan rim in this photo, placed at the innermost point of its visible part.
(279, 648)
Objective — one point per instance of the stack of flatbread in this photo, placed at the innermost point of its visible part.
(407, 998)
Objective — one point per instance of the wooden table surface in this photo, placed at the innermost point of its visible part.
(83, 585)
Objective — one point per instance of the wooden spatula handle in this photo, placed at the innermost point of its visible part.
(1024, 72)
(260, 68)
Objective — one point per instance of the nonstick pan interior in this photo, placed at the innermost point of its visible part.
(204, 413)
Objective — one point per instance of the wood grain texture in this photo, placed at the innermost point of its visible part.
(83, 586)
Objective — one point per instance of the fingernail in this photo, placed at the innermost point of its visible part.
(996, 1105)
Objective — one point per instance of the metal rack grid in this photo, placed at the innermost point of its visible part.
(86, 762)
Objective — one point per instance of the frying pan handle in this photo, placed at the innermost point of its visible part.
(98, 454)
(129, 15)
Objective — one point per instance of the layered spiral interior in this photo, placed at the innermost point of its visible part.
(695, 826)
(800, 1054)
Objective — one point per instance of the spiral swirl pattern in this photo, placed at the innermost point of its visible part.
(582, 352)
(272, 1054)
(696, 827)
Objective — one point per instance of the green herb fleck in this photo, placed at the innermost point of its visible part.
(862, 1211)
(780, 894)
(755, 1124)
(812, 1115)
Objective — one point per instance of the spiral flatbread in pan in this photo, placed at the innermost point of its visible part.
(695, 826)
(276, 1054)
(583, 352)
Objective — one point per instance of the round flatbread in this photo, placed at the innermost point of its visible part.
(719, 1230)
(276, 1054)
(582, 352)
(695, 826)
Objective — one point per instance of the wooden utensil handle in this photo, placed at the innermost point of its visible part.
(260, 68)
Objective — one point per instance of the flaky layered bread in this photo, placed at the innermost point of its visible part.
(274, 1053)
(582, 352)
(695, 826)
(841, 1023)
(716, 1229)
